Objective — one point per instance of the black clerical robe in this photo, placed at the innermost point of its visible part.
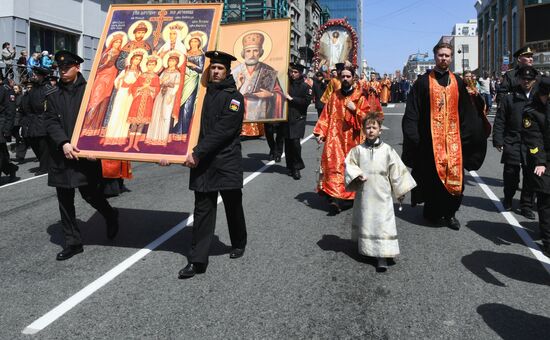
(418, 148)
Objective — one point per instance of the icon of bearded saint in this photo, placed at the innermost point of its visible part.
(138, 34)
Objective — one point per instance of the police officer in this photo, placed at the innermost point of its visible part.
(33, 111)
(507, 139)
(510, 80)
(536, 138)
(275, 140)
(216, 165)
(299, 98)
(7, 116)
(67, 171)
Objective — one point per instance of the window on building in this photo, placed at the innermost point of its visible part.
(466, 64)
(515, 29)
(465, 30)
(465, 48)
(47, 39)
(504, 37)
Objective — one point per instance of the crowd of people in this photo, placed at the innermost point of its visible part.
(445, 132)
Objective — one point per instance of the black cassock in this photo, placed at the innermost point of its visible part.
(418, 149)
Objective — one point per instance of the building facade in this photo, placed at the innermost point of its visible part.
(506, 25)
(465, 42)
(417, 64)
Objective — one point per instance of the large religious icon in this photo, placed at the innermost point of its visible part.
(336, 43)
(143, 99)
(262, 50)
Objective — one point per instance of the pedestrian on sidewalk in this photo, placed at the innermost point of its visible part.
(374, 171)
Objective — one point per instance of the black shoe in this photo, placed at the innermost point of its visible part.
(454, 223)
(271, 157)
(41, 172)
(69, 252)
(236, 253)
(528, 213)
(191, 269)
(277, 158)
(112, 225)
(441, 222)
(13, 171)
(507, 204)
(334, 208)
(296, 175)
(381, 265)
(290, 172)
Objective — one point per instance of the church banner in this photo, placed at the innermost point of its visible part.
(262, 50)
(143, 98)
(336, 42)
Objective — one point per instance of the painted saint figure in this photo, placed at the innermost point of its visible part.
(139, 31)
(103, 86)
(166, 102)
(143, 91)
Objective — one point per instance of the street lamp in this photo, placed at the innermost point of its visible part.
(461, 52)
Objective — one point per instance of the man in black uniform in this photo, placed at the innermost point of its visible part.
(299, 98)
(216, 165)
(510, 80)
(7, 115)
(275, 139)
(507, 139)
(536, 138)
(33, 112)
(67, 171)
(319, 86)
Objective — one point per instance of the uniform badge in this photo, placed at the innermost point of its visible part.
(526, 123)
(12, 98)
(534, 151)
(234, 105)
(310, 91)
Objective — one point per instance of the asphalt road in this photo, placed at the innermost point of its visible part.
(300, 277)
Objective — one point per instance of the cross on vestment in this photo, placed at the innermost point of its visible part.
(160, 20)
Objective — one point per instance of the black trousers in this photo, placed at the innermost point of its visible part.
(543, 205)
(510, 177)
(293, 154)
(39, 146)
(275, 139)
(92, 194)
(5, 165)
(438, 202)
(20, 147)
(205, 222)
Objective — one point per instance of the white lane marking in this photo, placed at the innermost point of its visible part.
(390, 105)
(518, 228)
(385, 127)
(393, 114)
(22, 181)
(45, 320)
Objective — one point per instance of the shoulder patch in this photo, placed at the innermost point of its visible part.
(534, 151)
(309, 91)
(526, 123)
(49, 89)
(234, 105)
(12, 97)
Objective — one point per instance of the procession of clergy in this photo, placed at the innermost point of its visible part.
(445, 132)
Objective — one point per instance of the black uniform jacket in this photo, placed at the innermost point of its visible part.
(60, 119)
(510, 81)
(417, 136)
(7, 112)
(319, 87)
(219, 146)
(507, 127)
(301, 95)
(535, 136)
(33, 109)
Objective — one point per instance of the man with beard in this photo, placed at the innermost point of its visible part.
(443, 135)
(139, 33)
(260, 103)
(299, 97)
(339, 127)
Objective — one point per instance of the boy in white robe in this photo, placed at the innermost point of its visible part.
(374, 171)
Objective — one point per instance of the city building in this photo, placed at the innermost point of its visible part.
(506, 25)
(352, 11)
(417, 64)
(465, 42)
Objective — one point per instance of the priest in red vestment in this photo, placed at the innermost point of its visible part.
(339, 127)
(372, 91)
(385, 85)
(443, 134)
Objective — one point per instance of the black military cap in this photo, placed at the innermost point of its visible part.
(522, 51)
(544, 86)
(219, 57)
(339, 66)
(297, 67)
(43, 71)
(67, 58)
(527, 72)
